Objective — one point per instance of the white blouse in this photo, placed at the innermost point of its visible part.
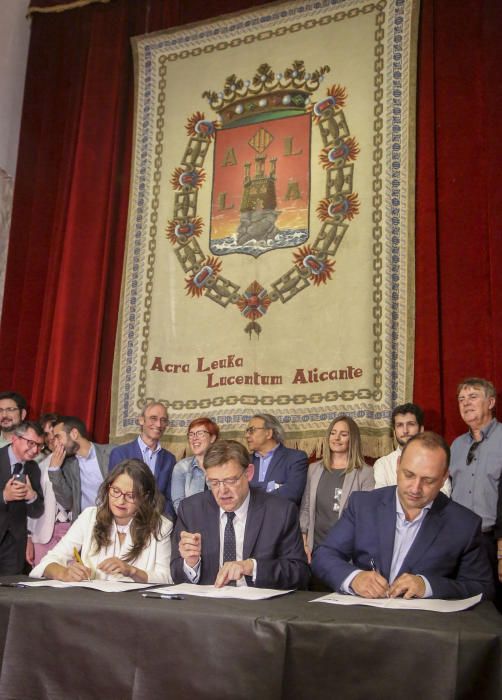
(155, 558)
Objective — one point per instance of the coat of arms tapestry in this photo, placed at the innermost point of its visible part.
(270, 245)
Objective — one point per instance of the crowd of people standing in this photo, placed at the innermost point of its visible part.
(425, 520)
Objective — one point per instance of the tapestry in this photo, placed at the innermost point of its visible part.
(270, 246)
(6, 196)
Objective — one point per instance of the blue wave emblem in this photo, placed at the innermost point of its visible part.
(289, 238)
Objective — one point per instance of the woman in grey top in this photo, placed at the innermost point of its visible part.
(332, 479)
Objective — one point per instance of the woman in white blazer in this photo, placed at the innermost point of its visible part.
(124, 538)
(332, 479)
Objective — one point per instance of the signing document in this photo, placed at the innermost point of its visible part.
(241, 592)
(431, 604)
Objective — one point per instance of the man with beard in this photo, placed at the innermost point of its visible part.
(45, 532)
(407, 421)
(12, 413)
(78, 466)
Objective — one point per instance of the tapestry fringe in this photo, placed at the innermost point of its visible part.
(311, 445)
(63, 7)
(374, 446)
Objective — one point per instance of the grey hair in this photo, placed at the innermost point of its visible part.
(148, 405)
(26, 425)
(271, 423)
(478, 383)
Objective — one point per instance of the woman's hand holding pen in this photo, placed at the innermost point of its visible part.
(75, 572)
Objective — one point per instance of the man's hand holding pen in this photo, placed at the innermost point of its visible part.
(370, 584)
(407, 586)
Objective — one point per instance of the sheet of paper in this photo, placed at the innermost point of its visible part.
(104, 586)
(431, 604)
(241, 592)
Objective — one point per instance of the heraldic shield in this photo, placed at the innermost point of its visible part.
(261, 186)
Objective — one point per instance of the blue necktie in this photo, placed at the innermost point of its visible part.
(229, 546)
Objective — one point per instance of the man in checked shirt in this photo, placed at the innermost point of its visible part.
(476, 466)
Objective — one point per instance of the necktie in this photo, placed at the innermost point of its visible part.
(229, 547)
(18, 468)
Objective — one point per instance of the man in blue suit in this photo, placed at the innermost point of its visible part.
(235, 535)
(278, 469)
(409, 540)
(153, 422)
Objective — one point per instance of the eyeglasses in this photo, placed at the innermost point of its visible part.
(115, 492)
(32, 444)
(156, 419)
(197, 434)
(471, 455)
(252, 429)
(214, 484)
(9, 411)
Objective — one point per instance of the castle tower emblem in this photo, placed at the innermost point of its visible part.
(261, 169)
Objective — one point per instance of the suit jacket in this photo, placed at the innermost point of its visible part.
(288, 468)
(356, 480)
(13, 514)
(163, 469)
(271, 537)
(66, 481)
(448, 549)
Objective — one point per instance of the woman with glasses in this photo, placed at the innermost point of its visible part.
(189, 476)
(125, 537)
(332, 479)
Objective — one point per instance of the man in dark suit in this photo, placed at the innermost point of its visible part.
(232, 533)
(21, 494)
(153, 422)
(278, 469)
(409, 540)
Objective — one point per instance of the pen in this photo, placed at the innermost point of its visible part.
(164, 596)
(373, 565)
(78, 559)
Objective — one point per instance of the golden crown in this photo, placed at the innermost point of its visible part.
(267, 95)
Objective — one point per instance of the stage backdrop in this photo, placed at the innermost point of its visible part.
(269, 255)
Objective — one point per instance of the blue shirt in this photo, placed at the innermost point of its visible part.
(149, 455)
(188, 478)
(265, 463)
(476, 485)
(406, 533)
(91, 478)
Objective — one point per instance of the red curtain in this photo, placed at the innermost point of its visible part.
(70, 206)
(458, 204)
